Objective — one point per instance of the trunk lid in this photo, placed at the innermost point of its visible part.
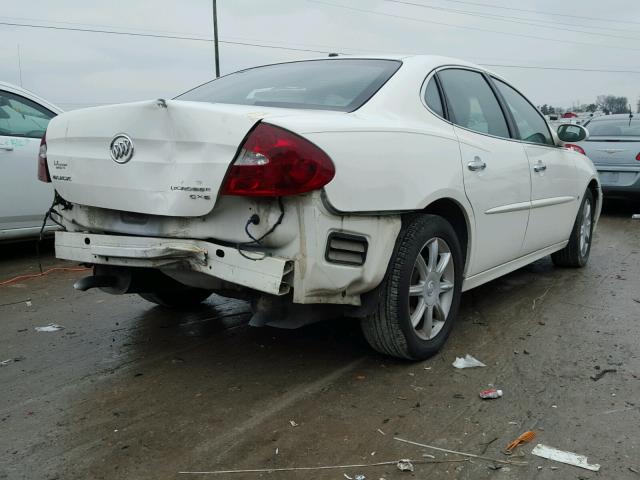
(179, 155)
(613, 151)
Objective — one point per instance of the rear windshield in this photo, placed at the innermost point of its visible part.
(337, 84)
(618, 127)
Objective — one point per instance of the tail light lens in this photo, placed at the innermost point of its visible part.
(575, 148)
(275, 162)
(638, 157)
(43, 168)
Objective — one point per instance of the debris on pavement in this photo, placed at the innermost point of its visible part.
(26, 300)
(381, 432)
(485, 445)
(467, 362)
(602, 373)
(490, 393)
(360, 476)
(52, 327)
(405, 465)
(526, 437)
(470, 455)
(293, 423)
(539, 299)
(561, 456)
(405, 462)
(6, 362)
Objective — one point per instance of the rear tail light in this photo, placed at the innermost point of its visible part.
(43, 168)
(275, 162)
(575, 148)
(638, 157)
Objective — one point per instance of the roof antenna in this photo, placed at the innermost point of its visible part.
(333, 54)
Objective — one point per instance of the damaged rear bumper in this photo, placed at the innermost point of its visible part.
(271, 274)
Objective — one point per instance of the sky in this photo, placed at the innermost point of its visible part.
(77, 69)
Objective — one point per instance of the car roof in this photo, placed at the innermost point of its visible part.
(424, 62)
(30, 95)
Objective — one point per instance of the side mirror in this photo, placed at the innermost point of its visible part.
(571, 133)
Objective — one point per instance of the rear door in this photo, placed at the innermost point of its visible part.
(22, 125)
(496, 170)
(554, 186)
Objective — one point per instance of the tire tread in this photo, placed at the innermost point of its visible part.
(382, 329)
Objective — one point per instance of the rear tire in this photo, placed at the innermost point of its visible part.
(179, 298)
(420, 295)
(576, 253)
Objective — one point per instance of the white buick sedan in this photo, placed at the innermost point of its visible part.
(378, 187)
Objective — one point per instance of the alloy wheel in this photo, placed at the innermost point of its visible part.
(431, 288)
(585, 229)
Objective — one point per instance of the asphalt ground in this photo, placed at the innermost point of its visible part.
(128, 390)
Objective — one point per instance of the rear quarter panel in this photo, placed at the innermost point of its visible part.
(387, 164)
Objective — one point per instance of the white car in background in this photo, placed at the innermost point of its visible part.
(23, 120)
(380, 186)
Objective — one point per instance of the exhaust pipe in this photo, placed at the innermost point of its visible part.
(121, 280)
(96, 281)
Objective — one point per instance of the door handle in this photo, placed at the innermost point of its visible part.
(539, 167)
(6, 147)
(476, 165)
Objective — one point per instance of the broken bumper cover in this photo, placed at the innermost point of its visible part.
(270, 274)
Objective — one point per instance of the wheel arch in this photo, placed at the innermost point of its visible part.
(455, 213)
(596, 191)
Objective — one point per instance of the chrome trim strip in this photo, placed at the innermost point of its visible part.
(547, 202)
(512, 207)
(516, 207)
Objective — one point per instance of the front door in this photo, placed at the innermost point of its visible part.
(554, 195)
(22, 125)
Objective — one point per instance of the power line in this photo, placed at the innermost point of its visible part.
(173, 37)
(77, 24)
(501, 7)
(465, 27)
(509, 19)
(566, 69)
(258, 45)
(110, 32)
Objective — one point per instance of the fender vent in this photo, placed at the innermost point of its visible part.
(346, 249)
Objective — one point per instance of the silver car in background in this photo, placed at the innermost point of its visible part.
(614, 147)
(23, 120)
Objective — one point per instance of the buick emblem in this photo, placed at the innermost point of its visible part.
(121, 148)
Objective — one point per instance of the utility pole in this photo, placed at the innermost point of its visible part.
(215, 37)
(19, 65)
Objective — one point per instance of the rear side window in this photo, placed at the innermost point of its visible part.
(337, 84)
(472, 103)
(531, 125)
(20, 117)
(432, 97)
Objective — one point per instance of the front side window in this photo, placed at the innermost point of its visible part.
(531, 126)
(432, 97)
(472, 103)
(338, 84)
(20, 117)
